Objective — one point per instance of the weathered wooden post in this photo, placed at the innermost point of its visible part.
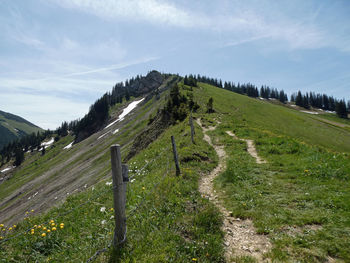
(119, 194)
(192, 128)
(176, 159)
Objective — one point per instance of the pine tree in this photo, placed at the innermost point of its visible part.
(210, 105)
(340, 108)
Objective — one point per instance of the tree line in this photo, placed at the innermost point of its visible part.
(310, 99)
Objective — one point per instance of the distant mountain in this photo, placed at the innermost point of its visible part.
(13, 127)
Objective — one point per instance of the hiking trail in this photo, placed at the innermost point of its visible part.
(240, 238)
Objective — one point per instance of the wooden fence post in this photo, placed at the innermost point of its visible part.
(119, 194)
(192, 128)
(176, 159)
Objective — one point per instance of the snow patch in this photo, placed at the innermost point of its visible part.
(103, 135)
(7, 169)
(125, 112)
(329, 111)
(293, 105)
(310, 112)
(47, 144)
(68, 146)
(114, 132)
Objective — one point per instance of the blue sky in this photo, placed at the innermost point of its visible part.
(58, 56)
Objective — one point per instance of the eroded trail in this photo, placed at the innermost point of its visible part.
(250, 147)
(241, 238)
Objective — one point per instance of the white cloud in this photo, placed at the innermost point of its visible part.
(244, 21)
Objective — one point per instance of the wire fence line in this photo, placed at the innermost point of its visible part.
(130, 213)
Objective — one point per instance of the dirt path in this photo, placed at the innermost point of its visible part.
(241, 238)
(251, 147)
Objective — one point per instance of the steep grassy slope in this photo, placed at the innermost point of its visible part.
(13, 127)
(168, 220)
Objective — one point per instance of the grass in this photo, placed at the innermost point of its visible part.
(174, 223)
(300, 197)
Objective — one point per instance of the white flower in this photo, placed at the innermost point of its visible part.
(111, 217)
(103, 222)
(108, 183)
(102, 209)
(132, 180)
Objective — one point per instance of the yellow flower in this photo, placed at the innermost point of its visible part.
(44, 228)
(32, 210)
(27, 213)
(1, 225)
(62, 225)
(1, 237)
(48, 231)
(39, 226)
(194, 259)
(53, 224)
(51, 221)
(43, 234)
(10, 228)
(54, 229)
(143, 188)
(32, 231)
(112, 209)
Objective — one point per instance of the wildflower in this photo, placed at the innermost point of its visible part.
(53, 224)
(111, 209)
(103, 222)
(10, 228)
(39, 226)
(27, 213)
(108, 183)
(111, 217)
(54, 229)
(143, 188)
(32, 231)
(62, 225)
(1, 225)
(43, 234)
(194, 259)
(32, 210)
(44, 228)
(48, 231)
(52, 221)
(102, 209)
(1, 237)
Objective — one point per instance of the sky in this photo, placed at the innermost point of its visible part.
(58, 56)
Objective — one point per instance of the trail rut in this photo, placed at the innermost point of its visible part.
(241, 238)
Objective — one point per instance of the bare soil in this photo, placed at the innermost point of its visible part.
(241, 238)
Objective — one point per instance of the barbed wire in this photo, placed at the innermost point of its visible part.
(98, 252)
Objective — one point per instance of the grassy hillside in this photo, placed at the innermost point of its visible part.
(298, 199)
(13, 127)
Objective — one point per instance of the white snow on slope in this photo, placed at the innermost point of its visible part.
(310, 112)
(46, 144)
(125, 112)
(103, 135)
(7, 169)
(68, 146)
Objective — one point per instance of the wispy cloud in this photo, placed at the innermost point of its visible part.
(245, 25)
